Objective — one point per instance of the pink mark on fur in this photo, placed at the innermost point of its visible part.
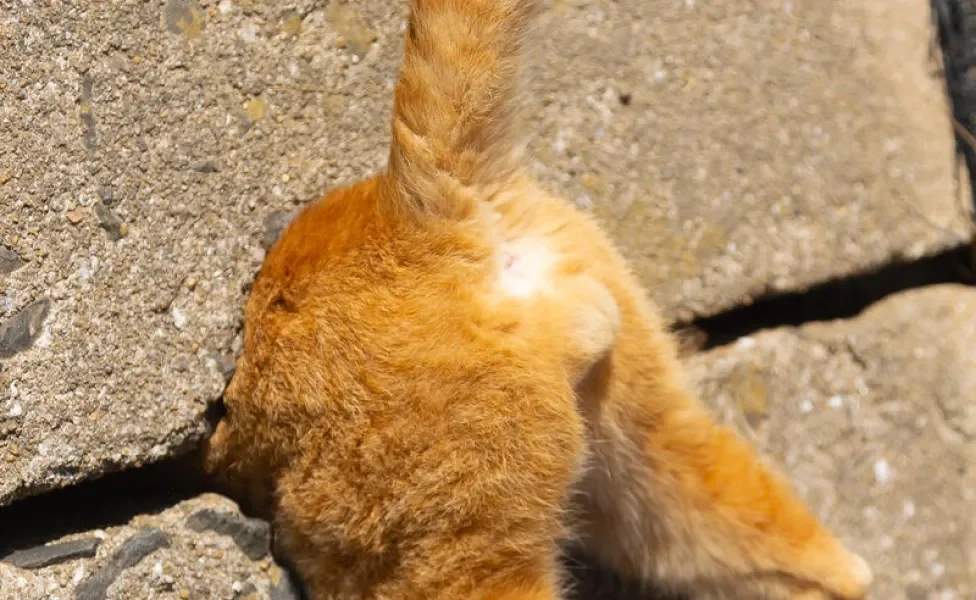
(509, 260)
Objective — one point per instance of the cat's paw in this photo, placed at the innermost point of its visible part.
(827, 572)
(853, 578)
(846, 576)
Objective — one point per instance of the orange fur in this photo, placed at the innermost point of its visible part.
(448, 372)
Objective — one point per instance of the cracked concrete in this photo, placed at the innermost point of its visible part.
(155, 556)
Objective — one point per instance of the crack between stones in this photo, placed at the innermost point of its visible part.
(109, 501)
(841, 298)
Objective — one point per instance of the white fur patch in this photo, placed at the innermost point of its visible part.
(524, 268)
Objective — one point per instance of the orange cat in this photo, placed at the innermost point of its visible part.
(447, 373)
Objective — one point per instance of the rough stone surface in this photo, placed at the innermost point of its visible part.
(252, 536)
(873, 419)
(152, 147)
(21, 330)
(9, 261)
(52, 554)
(154, 556)
(129, 554)
(739, 148)
(144, 145)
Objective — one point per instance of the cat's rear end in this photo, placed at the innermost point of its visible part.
(405, 402)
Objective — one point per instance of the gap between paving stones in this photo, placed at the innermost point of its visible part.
(841, 298)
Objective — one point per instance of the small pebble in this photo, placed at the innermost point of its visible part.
(746, 343)
(882, 471)
(179, 318)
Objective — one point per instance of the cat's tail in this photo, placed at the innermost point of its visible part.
(456, 102)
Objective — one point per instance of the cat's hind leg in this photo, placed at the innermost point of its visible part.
(672, 497)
